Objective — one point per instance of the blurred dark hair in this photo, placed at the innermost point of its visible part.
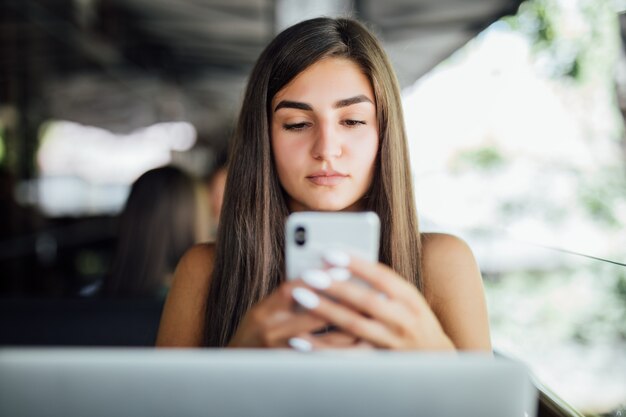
(160, 221)
(220, 162)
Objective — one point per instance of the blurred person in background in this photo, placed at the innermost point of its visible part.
(165, 214)
(215, 183)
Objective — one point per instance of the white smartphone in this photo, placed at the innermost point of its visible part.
(310, 234)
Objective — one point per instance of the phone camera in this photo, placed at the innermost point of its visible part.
(300, 236)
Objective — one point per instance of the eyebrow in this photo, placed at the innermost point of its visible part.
(352, 100)
(305, 106)
(286, 104)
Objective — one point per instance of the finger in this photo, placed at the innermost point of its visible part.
(275, 308)
(364, 345)
(280, 301)
(299, 323)
(275, 319)
(390, 312)
(354, 344)
(336, 339)
(379, 276)
(333, 340)
(361, 298)
(301, 343)
(346, 318)
(281, 297)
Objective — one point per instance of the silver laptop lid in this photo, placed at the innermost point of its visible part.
(229, 383)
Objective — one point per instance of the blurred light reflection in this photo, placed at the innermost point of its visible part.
(88, 170)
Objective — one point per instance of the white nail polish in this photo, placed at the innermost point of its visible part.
(316, 279)
(339, 274)
(337, 258)
(299, 344)
(306, 298)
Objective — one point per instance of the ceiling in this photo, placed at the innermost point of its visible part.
(125, 64)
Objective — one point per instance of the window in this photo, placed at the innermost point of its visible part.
(517, 146)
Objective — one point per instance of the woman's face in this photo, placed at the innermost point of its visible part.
(325, 136)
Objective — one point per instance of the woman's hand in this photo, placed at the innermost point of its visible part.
(277, 322)
(390, 314)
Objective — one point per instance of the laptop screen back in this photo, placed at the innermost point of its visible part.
(229, 383)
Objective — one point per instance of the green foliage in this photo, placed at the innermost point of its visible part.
(594, 294)
(563, 303)
(598, 208)
(539, 21)
(600, 196)
(486, 158)
(573, 52)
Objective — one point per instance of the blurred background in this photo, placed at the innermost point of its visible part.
(115, 118)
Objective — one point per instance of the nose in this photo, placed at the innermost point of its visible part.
(328, 143)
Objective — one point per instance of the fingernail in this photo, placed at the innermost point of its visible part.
(337, 258)
(299, 344)
(339, 274)
(316, 279)
(306, 298)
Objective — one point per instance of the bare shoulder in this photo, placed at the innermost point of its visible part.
(440, 248)
(182, 320)
(441, 240)
(447, 264)
(454, 289)
(196, 263)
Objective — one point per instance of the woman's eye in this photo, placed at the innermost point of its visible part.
(353, 123)
(295, 126)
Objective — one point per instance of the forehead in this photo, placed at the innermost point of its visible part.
(327, 81)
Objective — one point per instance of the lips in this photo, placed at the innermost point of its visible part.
(328, 178)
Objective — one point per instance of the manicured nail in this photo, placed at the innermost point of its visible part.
(337, 258)
(316, 279)
(299, 344)
(306, 298)
(339, 274)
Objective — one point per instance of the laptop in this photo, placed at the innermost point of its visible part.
(68, 382)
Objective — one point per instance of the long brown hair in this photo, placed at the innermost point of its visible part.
(249, 257)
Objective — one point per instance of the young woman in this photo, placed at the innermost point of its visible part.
(321, 129)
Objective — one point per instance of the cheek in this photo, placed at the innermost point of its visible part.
(286, 157)
(366, 152)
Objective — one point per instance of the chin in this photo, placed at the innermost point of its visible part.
(330, 205)
(338, 200)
